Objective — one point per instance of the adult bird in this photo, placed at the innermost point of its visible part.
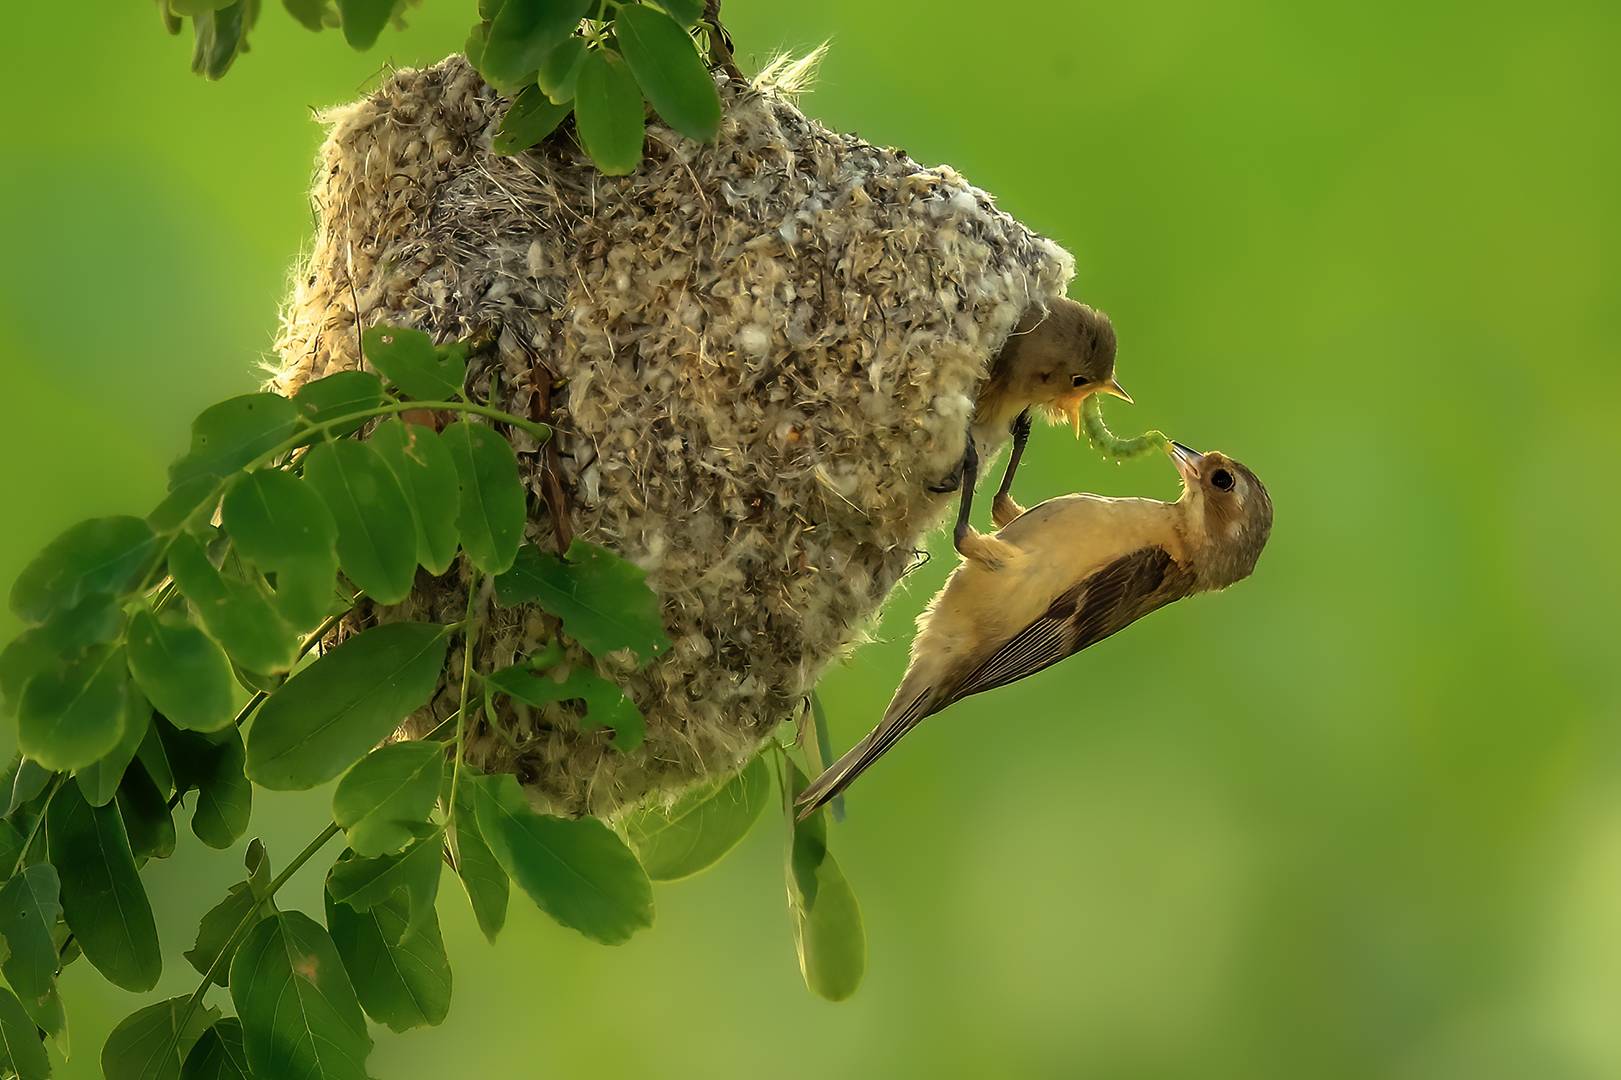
(1067, 574)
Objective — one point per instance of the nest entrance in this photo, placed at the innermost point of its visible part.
(758, 354)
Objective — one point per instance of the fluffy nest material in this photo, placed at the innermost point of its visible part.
(758, 355)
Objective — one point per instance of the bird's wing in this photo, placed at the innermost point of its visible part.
(1113, 598)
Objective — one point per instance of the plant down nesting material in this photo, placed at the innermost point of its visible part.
(757, 354)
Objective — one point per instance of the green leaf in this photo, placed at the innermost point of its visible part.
(384, 802)
(486, 884)
(603, 599)
(315, 15)
(529, 119)
(560, 72)
(283, 527)
(65, 636)
(666, 64)
(181, 671)
(298, 1009)
(364, 883)
(577, 871)
(702, 826)
(376, 531)
(152, 1043)
(686, 12)
(473, 47)
(72, 715)
(234, 434)
(492, 508)
(154, 756)
(20, 1048)
(219, 1054)
(340, 394)
(147, 820)
(402, 980)
(212, 951)
(410, 360)
(239, 614)
(220, 36)
(523, 32)
(422, 464)
(101, 556)
(11, 849)
(171, 22)
(224, 795)
(828, 934)
(606, 704)
(489, 9)
(100, 779)
(28, 782)
(363, 20)
(329, 714)
(103, 902)
(25, 656)
(29, 908)
(608, 113)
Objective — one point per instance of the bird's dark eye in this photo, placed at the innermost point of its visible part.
(1222, 479)
(1079, 380)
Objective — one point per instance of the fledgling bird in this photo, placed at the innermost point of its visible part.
(1081, 568)
(1054, 360)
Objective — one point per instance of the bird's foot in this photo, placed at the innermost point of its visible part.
(988, 551)
(1004, 509)
(1020, 430)
(951, 483)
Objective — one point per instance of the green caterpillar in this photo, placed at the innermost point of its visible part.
(1111, 445)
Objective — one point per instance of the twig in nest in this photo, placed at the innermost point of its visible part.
(551, 462)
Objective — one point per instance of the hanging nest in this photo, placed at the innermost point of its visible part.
(758, 355)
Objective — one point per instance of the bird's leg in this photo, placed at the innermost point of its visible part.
(969, 541)
(969, 472)
(1003, 508)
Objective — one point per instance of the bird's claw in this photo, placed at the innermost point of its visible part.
(1004, 510)
(988, 551)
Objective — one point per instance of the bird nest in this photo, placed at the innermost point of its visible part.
(757, 354)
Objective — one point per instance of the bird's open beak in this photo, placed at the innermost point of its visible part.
(1072, 407)
(1187, 461)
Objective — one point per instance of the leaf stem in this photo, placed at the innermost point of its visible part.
(249, 919)
(309, 432)
(392, 408)
(469, 643)
(33, 830)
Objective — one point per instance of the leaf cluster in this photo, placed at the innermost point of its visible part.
(603, 62)
(165, 670)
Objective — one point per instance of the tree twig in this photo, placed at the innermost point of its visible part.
(720, 42)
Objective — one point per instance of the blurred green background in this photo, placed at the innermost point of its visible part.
(1360, 817)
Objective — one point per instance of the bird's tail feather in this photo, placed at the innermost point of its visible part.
(843, 772)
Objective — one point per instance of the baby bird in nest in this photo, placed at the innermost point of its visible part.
(1054, 360)
(1078, 569)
